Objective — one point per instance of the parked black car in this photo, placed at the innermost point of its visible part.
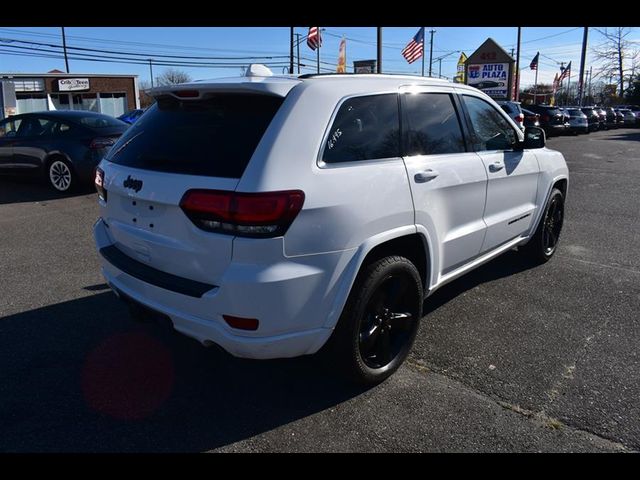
(62, 147)
(531, 119)
(612, 118)
(603, 118)
(593, 119)
(552, 120)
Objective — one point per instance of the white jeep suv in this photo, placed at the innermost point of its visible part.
(271, 215)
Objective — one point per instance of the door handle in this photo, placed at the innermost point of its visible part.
(425, 176)
(496, 166)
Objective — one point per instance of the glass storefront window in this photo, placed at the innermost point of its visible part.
(26, 103)
(114, 104)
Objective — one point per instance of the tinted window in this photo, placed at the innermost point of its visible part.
(432, 125)
(365, 128)
(214, 137)
(492, 130)
(35, 127)
(9, 128)
(63, 129)
(99, 121)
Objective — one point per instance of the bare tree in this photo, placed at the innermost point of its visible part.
(171, 76)
(146, 100)
(613, 52)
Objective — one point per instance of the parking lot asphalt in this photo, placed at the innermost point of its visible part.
(508, 358)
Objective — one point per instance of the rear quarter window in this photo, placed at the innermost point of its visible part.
(365, 128)
(213, 137)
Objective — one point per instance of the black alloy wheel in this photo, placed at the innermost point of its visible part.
(387, 323)
(544, 242)
(553, 224)
(379, 322)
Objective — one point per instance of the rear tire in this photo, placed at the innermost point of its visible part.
(544, 242)
(380, 321)
(60, 175)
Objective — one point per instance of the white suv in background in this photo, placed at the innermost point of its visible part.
(272, 215)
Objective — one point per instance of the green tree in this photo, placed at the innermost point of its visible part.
(633, 93)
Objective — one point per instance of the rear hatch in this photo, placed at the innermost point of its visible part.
(179, 145)
(557, 117)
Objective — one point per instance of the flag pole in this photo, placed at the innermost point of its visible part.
(566, 100)
(318, 49)
(422, 51)
(535, 87)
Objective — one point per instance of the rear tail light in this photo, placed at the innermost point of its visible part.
(520, 118)
(544, 118)
(99, 182)
(244, 214)
(101, 142)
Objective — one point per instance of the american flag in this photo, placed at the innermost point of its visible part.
(565, 73)
(314, 39)
(413, 50)
(534, 62)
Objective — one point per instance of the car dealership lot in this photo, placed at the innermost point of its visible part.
(508, 358)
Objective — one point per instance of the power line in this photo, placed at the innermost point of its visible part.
(146, 55)
(124, 42)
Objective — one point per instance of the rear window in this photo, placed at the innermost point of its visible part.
(98, 121)
(213, 137)
(575, 113)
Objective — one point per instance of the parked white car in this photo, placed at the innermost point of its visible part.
(272, 215)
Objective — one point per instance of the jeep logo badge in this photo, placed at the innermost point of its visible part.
(132, 183)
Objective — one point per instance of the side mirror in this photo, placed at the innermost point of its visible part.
(534, 137)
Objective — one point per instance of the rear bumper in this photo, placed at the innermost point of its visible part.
(292, 309)
(555, 129)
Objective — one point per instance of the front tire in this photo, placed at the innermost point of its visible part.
(545, 240)
(60, 175)
(380, 321)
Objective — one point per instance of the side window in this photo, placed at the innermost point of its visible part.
(62, 129)
(365, 128)
(9, 128)
(36, 127)
(492, 131)
(433, 125)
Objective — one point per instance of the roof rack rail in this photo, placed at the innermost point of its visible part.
(334, 74)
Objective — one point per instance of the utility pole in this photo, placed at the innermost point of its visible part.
(582, 60)
(517, 79)
(590, 76)
(318, 50)
(440, 67)
(298, 50)
(151, 72)
(64, 46)
(379, 61)
(291, 50)
(431, 50)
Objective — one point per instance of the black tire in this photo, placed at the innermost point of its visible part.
(545, 240)
(60, 175)
(382, 315)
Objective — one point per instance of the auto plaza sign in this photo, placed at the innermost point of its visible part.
(73, 84)
(491, 78)
(491, 70)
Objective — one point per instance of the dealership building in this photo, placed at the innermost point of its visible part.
(36, 92)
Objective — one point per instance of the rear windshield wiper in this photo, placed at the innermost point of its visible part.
(125, 144)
